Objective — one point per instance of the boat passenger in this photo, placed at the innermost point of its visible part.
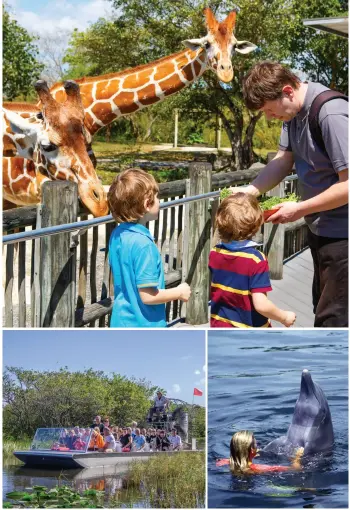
(133, 429)
(96, 442)
(139, 441)
(126, 440)
(105, 422)
(77, 431)
(118, 446)
(148, 435)
(175, 440)
(243, 449)
(63, 437)
(97, 423)
(86, 435)
(109, 445)
(153, 437)
(79, 444)
(71, 439)
(162, 442)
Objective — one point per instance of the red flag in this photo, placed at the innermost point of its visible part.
(197, 393)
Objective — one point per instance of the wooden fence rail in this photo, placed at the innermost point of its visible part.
(65, 280)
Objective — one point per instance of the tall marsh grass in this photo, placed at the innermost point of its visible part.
(174, 481)
(9, 446)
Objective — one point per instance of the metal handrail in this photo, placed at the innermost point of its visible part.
(83, 225)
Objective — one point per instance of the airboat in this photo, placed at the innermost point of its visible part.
(49, 448)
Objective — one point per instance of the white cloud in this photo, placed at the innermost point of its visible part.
(176, 388)
(204, 368)
(61, 15)
(197, 372)
(200, 383)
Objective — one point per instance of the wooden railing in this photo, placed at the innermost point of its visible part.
(64, 280)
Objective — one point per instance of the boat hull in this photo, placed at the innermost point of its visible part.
(54, 460)
(72, 460)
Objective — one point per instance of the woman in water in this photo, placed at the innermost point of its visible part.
(243, 449)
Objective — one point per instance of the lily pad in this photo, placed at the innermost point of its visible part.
(16, 495)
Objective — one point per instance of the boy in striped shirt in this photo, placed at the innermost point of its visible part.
(239, 271)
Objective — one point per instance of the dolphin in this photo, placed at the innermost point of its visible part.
(311, 426)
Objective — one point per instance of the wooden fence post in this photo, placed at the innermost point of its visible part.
(198, 244)
(274, 240)
(58, 259)
(176, 127)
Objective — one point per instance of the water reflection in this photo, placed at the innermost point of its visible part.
(102, 479)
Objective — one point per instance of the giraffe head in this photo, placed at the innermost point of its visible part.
(56, 140)
(220, 44)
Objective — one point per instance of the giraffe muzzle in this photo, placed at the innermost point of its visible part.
(93, 196)
(225, 71)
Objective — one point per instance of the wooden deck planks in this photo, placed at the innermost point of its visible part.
(294, 292)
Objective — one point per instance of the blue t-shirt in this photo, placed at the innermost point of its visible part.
(139, 441)
(136, 263)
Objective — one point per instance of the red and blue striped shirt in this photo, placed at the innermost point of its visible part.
(238, 269)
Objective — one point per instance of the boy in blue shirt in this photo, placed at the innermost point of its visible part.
(139, 286)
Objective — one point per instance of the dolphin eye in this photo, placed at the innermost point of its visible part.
(49, 147)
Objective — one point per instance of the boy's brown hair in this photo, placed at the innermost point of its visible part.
(264, 82)
(127, 194)
(239, 217)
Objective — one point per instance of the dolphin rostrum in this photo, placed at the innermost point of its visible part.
(311, 426)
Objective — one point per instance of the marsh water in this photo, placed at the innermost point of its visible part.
(17, 478)
(177, 481)
(253, 384)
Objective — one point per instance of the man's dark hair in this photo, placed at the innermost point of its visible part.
(265, 81)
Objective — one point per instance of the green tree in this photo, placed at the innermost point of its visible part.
(62, 399)
(322, 56)
(145, 30)
(20, 65)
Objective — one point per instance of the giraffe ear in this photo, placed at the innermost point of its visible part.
(20, 125)
(244, 47)
(195, 44)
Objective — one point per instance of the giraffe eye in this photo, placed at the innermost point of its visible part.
(207, 45)
(49, 147)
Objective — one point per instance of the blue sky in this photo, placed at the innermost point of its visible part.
(47, 17)
(173, 360)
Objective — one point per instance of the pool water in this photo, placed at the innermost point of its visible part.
(253, 384)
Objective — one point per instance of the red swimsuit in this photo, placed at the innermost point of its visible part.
(258, 468)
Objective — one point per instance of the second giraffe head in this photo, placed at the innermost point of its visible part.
(58, 144)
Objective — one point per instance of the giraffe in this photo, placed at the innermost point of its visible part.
(107, 97)
(52, 146)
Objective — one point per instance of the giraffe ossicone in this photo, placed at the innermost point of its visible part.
(107, 97)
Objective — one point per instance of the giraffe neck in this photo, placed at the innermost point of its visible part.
(108, 97)
(22, 181)
(23, 178)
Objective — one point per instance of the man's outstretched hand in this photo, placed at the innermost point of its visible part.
(285, 213)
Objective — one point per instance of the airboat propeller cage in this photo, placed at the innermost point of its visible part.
(178, 419)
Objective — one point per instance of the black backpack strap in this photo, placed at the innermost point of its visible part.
(316, 105)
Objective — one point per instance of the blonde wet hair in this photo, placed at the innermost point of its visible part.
(241, 444)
